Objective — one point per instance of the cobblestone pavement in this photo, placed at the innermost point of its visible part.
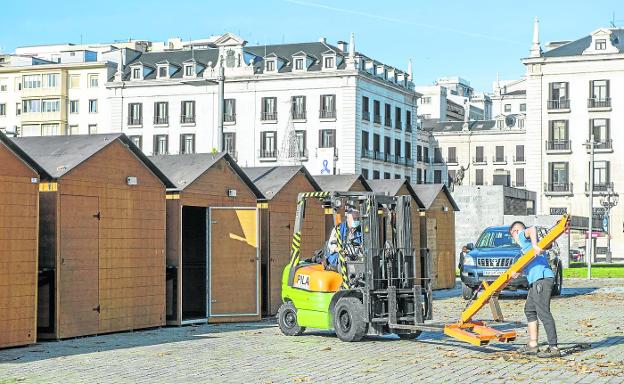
(257, 353)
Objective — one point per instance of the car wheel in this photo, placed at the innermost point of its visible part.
(287, 320)
(349, 319)
(467, 292)
(558, 285)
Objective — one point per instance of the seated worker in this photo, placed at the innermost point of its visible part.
(350, 233)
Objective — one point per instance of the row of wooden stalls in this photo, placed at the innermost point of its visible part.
(95, 237)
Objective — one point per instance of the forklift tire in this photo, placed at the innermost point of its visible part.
(287, 320)
(467, 292)
(349, 319)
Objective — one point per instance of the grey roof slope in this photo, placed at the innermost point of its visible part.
(57, 155)
(340, 183)
(455, 126)
(176, 58)
(576, 47)
(428, 193)
(286, 51)
(271, 180)
(391, 187)
(183, 170)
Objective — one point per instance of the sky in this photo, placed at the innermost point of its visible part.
(472, 39)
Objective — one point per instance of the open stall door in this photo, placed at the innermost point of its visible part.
(193, 264)
(279, 254)
(234, 262)
(79, 307)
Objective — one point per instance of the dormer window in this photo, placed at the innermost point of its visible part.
(188, 70)
(136, 73)
(163, 71)
(299, 64)
(270, 66)
(600, 45)
(329, 62)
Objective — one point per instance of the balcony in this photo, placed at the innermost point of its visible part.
(479, 160)
(558, 146)
(398, 125)
(367, 154)
(188, 119)
(366, 115)
(558, 189)
(378, 155)
(298, 115)
(269, 116)
(135, 121)
(390, 158)
(599, 104)
(388, 122)
(561, 105)
(519, 159)
(229, 118)
(268, 154)
(327, 114)
(377, 119)
(600, 188)
(161, 120)
(499, 160)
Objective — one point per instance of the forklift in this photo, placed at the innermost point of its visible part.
(376, 290)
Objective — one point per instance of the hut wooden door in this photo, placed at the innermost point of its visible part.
(79, 266)
(280, 234)
(234, 262)
(432, 244)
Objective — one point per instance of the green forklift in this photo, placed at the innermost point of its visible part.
(374, 289)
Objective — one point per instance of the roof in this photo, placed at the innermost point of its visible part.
(176, 58)
(516, 92)
(429, 192)
(183, 170)
(27, 160)
(576, 47)
(57, 155)
(391, 187)
(271, 180)
(340, 183)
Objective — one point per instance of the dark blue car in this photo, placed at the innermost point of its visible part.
(494, 252)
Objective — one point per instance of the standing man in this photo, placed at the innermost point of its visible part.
(541, 279)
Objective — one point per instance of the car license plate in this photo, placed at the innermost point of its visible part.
(493, 272)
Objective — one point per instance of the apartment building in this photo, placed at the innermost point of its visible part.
(574, 90)
(449, 99)
(509, 97)
(324, 106)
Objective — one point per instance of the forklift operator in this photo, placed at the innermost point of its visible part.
(350, 234)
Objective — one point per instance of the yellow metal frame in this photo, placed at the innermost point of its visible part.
(476, 332)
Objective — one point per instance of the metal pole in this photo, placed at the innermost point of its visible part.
(220, 107)
(591, 206)
(609, 227)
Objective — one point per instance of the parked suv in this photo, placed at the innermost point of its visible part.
(493, 254)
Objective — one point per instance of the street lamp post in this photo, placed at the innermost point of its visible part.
(590, 215)
(609, 201)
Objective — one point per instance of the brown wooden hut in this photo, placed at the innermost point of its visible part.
(19, 218)
(280, 187)
(102, 235)
(340, 183)
(439, 223)
(213, 251)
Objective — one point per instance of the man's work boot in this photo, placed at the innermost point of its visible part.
(528, 350)
(549, 351)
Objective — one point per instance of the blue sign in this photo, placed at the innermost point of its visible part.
(605, 224)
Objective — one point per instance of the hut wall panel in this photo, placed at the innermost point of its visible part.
(445, 241)
(18, 251)
(131, 237)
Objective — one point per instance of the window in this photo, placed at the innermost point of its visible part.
(18, 109)
(229, 110)
(387, 148)
(507, 107)
(451, 154)
(2, 109)
(163, 72)
(377, 111)
(270, 66)
(3, 85)
(187, 143)
(376, 143)
(93, 106)
(479, 176)
(135, 114)
(418, 153)
(187, 115)
(558, 176)
(161, 145)
(387, 117)
(298, 107)
(31, 81)
(188, 70)
(269, 110)
(365, 109)
(229, 143)
(520, 153)
(375, 175)
(327, 138)
(437, 176)
(523, 107)
(73, 106)
(426, 155)
(161, 112)
(397, 147)
(50, 105)
(558, 135)
(437, 155)
(329, 62)
(408, 121)
(137, 140)
(418, 176)
(50, 130)
(136, 73)
(300, 141)
(558, 98)
(397, 118)
(600, 45)
(50, 80)
(520, 123)
(328, 106)
(299, 64)
(32, 106)
(408, 150)
(92, 129)
(74, 81)
(268, 143)
(600, 129)
(386, 175)
(93, 80)
(365, 173)
(601, 174)
(479, 158)
(425, 100)
(500, 123)
(72, 130)
(500, 153)
(519, 177)
(365, 138)
(599, 90)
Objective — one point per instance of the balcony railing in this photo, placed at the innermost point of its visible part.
(187, 119)
(603, 145)
(390, 158)
(377, 119)
(229, 117)
(298, 115)
(366, 115)
(600, 187)
(499, 160)
(327, 114)
(519, 159)
(388, 122)
(558, 145)
(559, 104)
(233, 152)
(558, 188)
(451, 160)
(367, 153)
(161, 119)
(379, 155)
(269, 116)
(479, 160)
(398, 124)
(268, 153)
(438, 160)
(409, 162)
(593, 102)
(135, 120)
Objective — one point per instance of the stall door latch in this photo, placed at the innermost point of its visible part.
(98, 216)
(97, 309)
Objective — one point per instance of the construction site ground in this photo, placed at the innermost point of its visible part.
(589, 311)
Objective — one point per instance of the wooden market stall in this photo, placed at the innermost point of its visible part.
(19, 217)
(101, 235)
(280, 187)
(439, 223)
(213, 251)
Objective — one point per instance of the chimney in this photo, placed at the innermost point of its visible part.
(343, 45)
(322, 40)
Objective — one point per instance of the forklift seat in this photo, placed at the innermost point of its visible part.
(313, 277)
